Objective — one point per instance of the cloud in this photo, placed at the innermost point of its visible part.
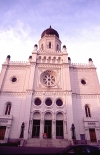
(17, 43)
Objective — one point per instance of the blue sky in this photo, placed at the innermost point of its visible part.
(77, 22)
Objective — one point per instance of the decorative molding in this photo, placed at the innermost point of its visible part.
(81, 69)
(49, 65)
(85, 95)
(52, 93)
(49, 52)
(80, 65)
(3, 121)
(4, 66)
(13, 93)
(18, 67)
(33, 64)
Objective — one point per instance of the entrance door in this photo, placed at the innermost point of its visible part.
(2, 132)
(92, 135)
(47, 128)
(59, 129)
(36, 128)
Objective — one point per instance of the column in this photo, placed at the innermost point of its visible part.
(41, 128)
(2, 75)
(30, 129)
(7, 133)
(65, 129)
(54, 129)
(87, 135)
(4, 70)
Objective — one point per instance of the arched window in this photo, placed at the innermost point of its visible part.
(8, 109)
(87, 111)
(49, 44)
(42, 46)
(57, 47)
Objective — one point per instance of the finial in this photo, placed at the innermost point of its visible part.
(35, 47)
(8, 58)
(30, 57)
(90, 59)
(50, 26)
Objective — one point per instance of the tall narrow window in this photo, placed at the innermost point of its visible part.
(57, 47)
(8, 109)
(87, 111)
(42, 46)
(49, 44)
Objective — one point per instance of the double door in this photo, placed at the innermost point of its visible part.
(48, 128)
(59, 129)
(92, 135)
(2, 132)
(36, 128)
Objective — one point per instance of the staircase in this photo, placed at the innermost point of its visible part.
(35, 142)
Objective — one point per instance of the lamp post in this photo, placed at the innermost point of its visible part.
(73, 133)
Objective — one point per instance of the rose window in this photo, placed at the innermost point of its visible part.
(48, 78)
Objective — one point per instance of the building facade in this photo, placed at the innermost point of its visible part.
(48, 94)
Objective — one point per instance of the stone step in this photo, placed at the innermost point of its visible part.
(34, 142)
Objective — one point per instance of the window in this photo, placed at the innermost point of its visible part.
(82, 136)
(14, 79)
(49, 44)
(57, 47)
(87, 111)
(42, 46)
(59, 102)
(37, 101)
(8, 109)
(48, 102)
(83, 81)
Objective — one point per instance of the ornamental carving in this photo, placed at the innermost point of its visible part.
(3, 121)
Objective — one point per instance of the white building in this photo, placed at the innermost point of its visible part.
(49, 94)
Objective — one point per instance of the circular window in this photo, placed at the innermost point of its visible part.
(48, 102)
(14, 79)
(49, 78)
(83, 81)
(59, 102)
(37, 101)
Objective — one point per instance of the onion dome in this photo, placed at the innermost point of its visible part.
(50, 31)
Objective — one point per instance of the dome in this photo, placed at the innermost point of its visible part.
(50, 31)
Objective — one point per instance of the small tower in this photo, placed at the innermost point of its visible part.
(50, 40)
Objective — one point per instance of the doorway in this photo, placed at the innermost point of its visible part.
(92, 135)
(36, 129)
(2, 132)
(47, 128)
(59, 129)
